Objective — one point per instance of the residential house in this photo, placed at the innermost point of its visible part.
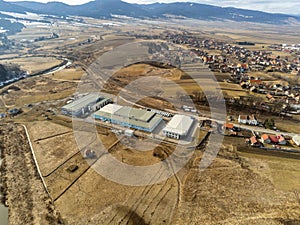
(254, 142)
(270, 97)
(243, 119)
(228, 126)
(265, 139)
(281, 140)
(246, 119)
(274, 139)
(255, 82)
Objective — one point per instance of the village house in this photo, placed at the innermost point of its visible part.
(274, 139)
(265, 139)
(228, 126)
(249, 120)
(270, 97)
(279, 139)
(254, 142)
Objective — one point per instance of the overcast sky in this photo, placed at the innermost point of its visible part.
(281, 6)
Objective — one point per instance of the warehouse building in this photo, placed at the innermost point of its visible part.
(178, 127)
(87, 104)
(125, 116)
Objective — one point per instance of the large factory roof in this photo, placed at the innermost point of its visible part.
(127, 115)
(133, 113)
(111, 108)
(180, 124)
(82, 102)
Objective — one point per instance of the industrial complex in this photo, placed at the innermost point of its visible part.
(125, 116)
(85, 105)
(146, 120)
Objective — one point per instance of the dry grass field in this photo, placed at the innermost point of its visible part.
(282, 172)
(261, 37)
(107, 202)
(31, 33)
(54, 144)
(8, 56)
(233, 90)
(285, 125)
(39, 89)
(72, 74)
(45, 129)
(263, 76)
(34, 64)
(230, 193)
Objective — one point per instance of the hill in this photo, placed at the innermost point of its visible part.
(107, 8)
(96, 9)
(11, 27)
(47, 8)
(5, 23)
(9, 7)
(209, 12)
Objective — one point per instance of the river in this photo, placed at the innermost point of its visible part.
(3, 210)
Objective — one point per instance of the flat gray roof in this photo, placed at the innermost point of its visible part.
(82, 102)
(134, 113)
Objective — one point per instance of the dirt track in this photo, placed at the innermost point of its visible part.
(25, 195)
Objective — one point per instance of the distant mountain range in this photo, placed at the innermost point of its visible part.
(107, 8)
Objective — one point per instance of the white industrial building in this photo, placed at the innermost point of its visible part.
(178, 127)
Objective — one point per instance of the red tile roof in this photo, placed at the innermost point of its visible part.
(265, 137)
(243, 117)
(255, 81)
(253, 140)
(274, 139)
(228, 125)
(281, 138)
